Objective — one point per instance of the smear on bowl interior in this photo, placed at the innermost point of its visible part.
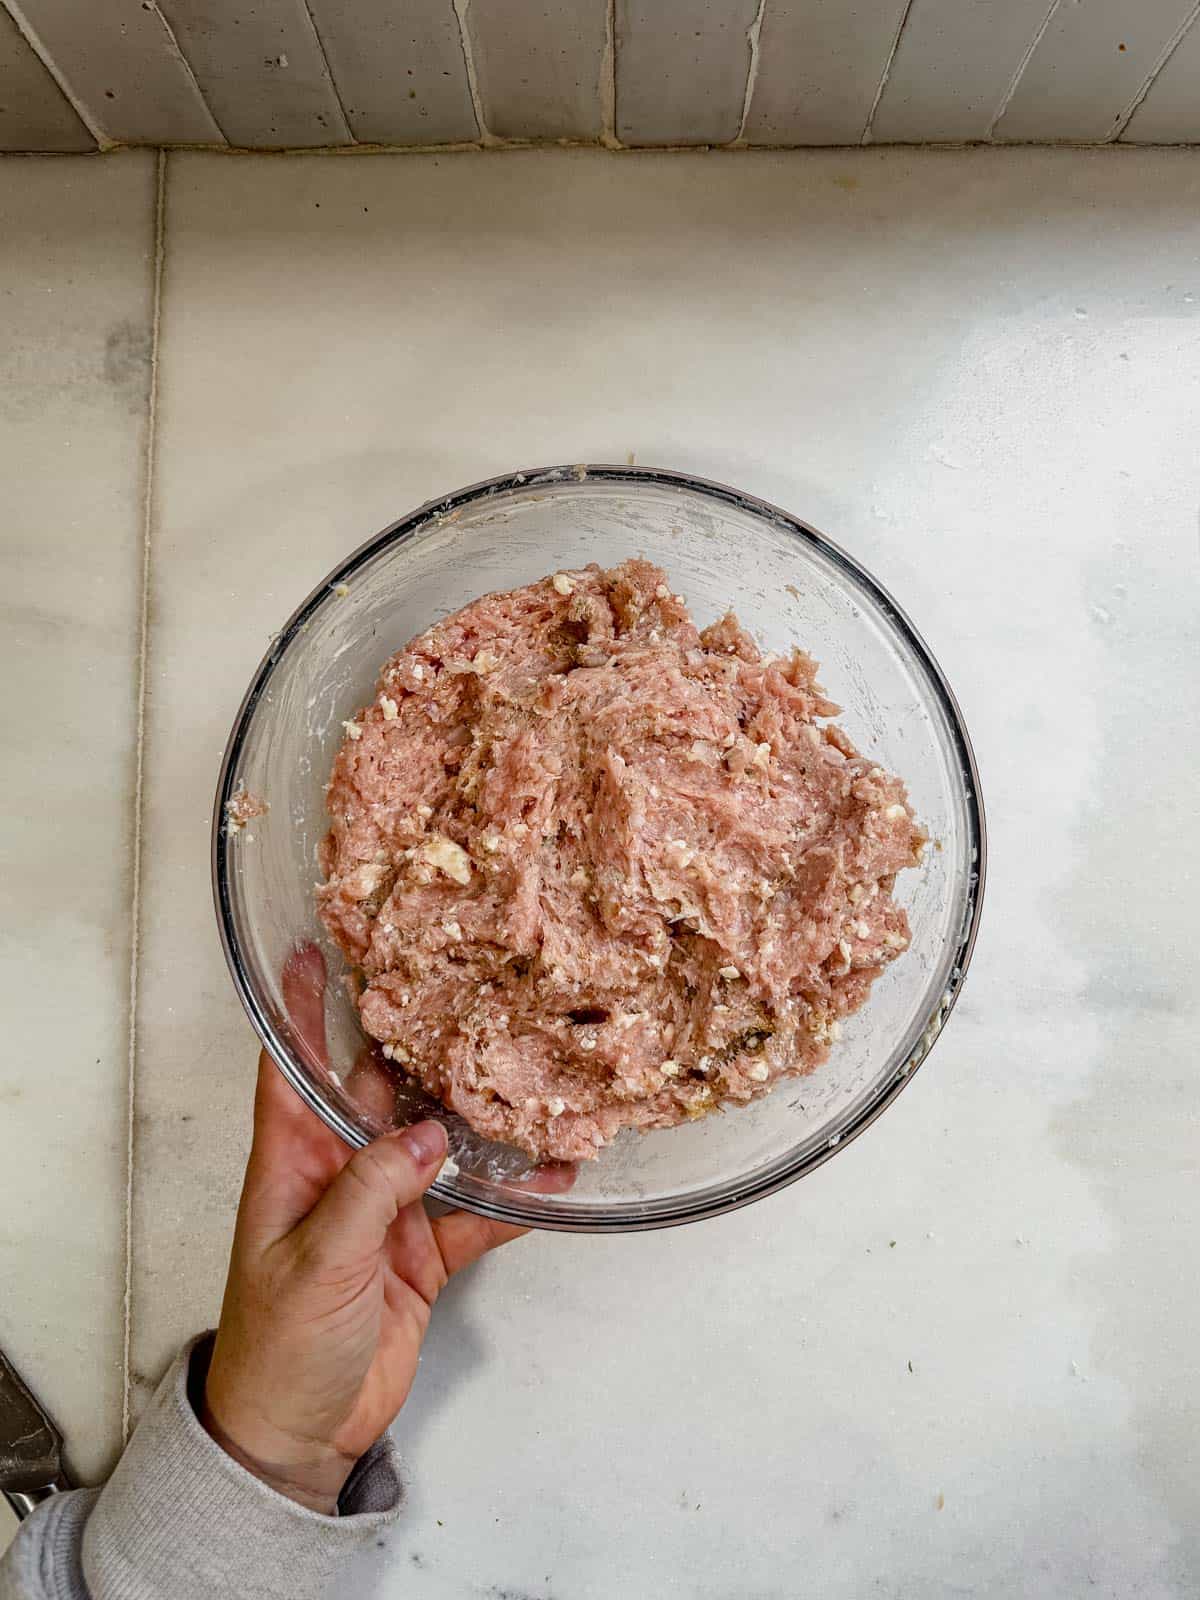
(598, 869)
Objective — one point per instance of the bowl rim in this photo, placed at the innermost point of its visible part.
(642, 1215)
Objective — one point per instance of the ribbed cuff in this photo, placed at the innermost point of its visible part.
(43, 1561)
(179, 1517)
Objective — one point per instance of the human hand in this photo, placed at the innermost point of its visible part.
(334, 1273)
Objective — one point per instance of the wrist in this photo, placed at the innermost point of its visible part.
(303, 1470)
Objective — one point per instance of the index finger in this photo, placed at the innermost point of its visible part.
(463, 1237)
(294, 1157)
(303, 983)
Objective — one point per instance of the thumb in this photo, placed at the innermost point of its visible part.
(374, 1186)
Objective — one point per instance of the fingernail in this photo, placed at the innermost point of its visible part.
(425, 1142)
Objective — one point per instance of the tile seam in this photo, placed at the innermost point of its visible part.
(174, 45)
(149, 463)
(460, 9)
(885, 74)
(27, 31)
(608, 81)
(1015, 80)
(333, 83)
(1125, 117)
(753, 40)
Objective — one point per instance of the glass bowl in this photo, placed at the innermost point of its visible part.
(789, 585)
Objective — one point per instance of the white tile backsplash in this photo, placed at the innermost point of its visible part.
(646, 73)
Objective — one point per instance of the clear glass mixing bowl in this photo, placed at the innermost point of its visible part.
(722, 549)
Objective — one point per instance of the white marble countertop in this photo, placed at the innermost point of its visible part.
(959, 1360)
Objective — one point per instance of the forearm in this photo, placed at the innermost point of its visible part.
(180, 1517)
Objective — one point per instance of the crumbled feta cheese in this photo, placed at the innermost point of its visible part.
(388, 706)
(364, 880)
(452, 930)
(341, 590)
(669, 1069)
(353, 730)
(556, 1105)
(728, 973)
(760, 1072)
(562, 584)
(894, 813)
(447, 857)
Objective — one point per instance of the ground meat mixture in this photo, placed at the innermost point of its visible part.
(600, 870)
(242, 808)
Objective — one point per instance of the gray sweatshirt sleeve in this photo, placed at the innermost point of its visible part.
(181, 1520)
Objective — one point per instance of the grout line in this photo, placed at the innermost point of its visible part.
(173, 43)
(753, 36)
(1123, 118)
(608, 80)
(337, 93)
(25, 28)
(139, 772)
(461, 7)
(886, 73)
(1006, 99)
(308, 152)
